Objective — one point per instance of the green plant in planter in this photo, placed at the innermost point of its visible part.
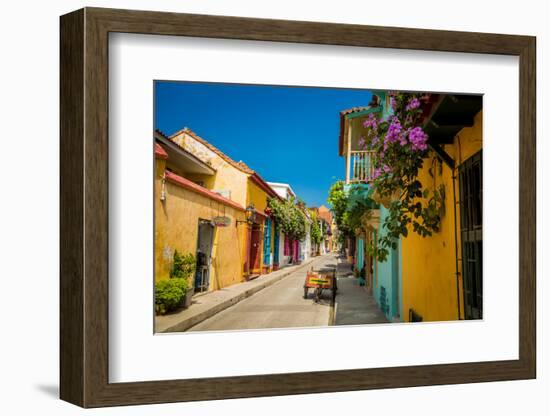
(183, 266)
(169, 294)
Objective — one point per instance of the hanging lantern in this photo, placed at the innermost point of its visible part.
(251, 214)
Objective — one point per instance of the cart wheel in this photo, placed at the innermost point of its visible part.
(305, 292)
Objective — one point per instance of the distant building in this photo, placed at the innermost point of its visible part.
(288, 250)
(284, 190)
(326, 215)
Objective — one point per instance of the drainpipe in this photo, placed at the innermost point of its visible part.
(457, 273)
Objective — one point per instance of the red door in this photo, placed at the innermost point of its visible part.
(295, 251)
(254, 250)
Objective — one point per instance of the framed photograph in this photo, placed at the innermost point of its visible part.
(254, 207)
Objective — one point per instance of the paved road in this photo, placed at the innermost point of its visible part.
(278, 306)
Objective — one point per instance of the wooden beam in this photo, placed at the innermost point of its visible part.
(455, 120)
(449, 161)
(348, 153)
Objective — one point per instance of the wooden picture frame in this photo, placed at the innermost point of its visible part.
(84, 207)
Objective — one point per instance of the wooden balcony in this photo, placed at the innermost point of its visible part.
(359, 166)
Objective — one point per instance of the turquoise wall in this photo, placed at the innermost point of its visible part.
(387, 287)
(359, 254)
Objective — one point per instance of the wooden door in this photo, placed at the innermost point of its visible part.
(276, 246)
(255, 247)
(267, 242)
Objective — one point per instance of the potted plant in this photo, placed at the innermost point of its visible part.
(183, 267)
(169, 294)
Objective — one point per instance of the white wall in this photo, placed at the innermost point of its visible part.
(305, 246)
(283, 260)
(29, 222)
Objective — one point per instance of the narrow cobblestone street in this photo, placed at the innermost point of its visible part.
(279, 306)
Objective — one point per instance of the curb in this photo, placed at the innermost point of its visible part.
(332, 313)
(194, 320)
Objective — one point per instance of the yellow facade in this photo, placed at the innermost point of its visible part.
(429, 280)
(227, 177)
(258, 197)
(176, 228)
(177, 217)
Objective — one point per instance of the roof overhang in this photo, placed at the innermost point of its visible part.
(451, 114)
(354, 117)
(282, 185)
(181, 158)
(263, 185)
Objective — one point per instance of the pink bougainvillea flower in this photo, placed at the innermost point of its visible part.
(413, 104)
(403, 138)
(394, 131)
(418, 139)
(371, 122)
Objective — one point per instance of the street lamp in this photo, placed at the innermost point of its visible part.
(250, 215)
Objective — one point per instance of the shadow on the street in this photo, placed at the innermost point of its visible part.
(325, 298)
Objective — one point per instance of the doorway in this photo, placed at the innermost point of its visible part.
(254, 267)
(205, 241)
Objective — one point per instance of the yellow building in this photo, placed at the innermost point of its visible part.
(437, 277)
(442, 274)
(262, 236)
(212, 207)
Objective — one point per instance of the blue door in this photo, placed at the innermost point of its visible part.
(276, 245)
(267, 242)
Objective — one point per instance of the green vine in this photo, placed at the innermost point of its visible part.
(338, 200)
(315, 232)
(289, 216)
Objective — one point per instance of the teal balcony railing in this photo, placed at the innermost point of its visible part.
(361, 165)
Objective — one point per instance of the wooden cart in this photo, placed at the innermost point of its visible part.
(319, 281)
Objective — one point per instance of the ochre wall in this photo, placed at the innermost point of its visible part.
(176, 227)
(258, 197)
(428, 263)
(227, 176)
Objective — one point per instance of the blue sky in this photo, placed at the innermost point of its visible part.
(286, 134)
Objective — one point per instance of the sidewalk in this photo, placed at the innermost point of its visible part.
(354, 305)
(209, 304)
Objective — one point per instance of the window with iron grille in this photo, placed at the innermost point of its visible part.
(471, 210)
